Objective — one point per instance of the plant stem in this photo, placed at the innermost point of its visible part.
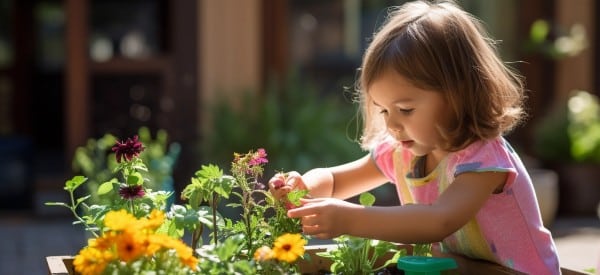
(74, 211)
(131, 206)
(214, 216)
(247, 220)
(196, 234)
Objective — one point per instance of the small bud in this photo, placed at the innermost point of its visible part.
(277, 184)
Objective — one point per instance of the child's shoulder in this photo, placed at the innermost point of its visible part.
(385, 147)
(496, 149)
(483, 146)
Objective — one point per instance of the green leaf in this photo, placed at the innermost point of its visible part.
(539, 31)
(56, 204)
(295, 195)
(229, 248)
(225, 185)
(210, 171)
(105, 188)
(138, 164)
(366, 199)
(395, 258)
(135, 178)
(326, 254)
(75, 182)
(80, 200)
(174, 230)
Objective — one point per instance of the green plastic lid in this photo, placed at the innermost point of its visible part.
(425, 265)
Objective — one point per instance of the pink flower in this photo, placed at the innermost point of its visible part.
(258, 158)
(278, 183)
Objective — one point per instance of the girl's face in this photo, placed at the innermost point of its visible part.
(412, 115)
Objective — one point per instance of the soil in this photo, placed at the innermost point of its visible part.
(391, 270)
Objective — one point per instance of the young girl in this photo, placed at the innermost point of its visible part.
(436, 100)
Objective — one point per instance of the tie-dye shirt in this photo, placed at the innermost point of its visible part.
(507, 229)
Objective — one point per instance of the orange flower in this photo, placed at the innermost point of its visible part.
(104, 242)
(154, 244)
(129, 246)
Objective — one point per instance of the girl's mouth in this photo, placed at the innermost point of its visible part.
(407, 143)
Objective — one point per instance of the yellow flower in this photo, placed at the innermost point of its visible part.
(264, 253)
(155, 220)
(130, 246)
(119, 220)
(190, 261)
(157, 242)
(185, 253)
(90, 261)
(288, 247)
(153, 244)
(104, 242)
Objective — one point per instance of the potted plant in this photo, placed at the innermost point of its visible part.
(567, 140)
(136, 232)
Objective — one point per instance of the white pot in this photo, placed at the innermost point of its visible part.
(545, 183)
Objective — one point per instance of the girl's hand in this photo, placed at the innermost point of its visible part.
(283, 183)
(324, 218)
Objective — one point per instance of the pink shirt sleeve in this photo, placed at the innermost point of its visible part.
(485, 156)
(383, 155)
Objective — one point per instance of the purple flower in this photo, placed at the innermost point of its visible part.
(128, 149)
(131, 192)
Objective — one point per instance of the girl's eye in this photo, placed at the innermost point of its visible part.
(406, 111)
(383, 111)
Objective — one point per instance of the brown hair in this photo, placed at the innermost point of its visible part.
(440, 47)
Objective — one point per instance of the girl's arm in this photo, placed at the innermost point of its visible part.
(344, 181)
(415, 223)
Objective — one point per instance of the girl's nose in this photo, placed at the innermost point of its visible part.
(393, 125)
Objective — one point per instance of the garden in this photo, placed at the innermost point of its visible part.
(140, 231)
(137, 230)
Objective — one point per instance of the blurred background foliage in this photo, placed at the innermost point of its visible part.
(299, 128)
(571, 132)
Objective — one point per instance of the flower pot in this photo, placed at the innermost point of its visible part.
(545, 183)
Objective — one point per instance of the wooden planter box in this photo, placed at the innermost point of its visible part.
(60, 265)
(63, 265)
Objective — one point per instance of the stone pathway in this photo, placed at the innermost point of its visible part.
(578, 243)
